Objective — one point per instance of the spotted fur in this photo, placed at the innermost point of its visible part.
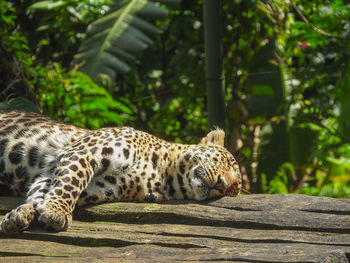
(58, 166)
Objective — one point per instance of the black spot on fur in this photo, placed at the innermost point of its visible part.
(180, 180)
(155, 158)
(107, 150)
(75, 181)
(2, 166)
(100, 184)
(74, 194)
(149, 184)
(86, 139)
(82, 163)
(3, 144)
(58, 192)
(23, 120)
(21, 133)
(42, 162)
(73, 167)
(33, 156)
(165, 156)
(69, 155)
(94, 198)
(62, 173)
(80, 174)
(183, 190)
(108, 193)
(16, 153)
(126, 153)
(66, 179)
(23, 186)
(182, 167)
(93, 150)
(44, 191)
(110, 179)
(83, 152)
(64, 163)
(93, 164)
(74, 158)
(83, 194)
(57, 183)
(9, 129)
(187, 156)
(170, 185)
(5, 190)
(68, 188)
(7, 178)
(21, 172)
(150, 198)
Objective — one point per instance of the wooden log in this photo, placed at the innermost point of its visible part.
(254, 228)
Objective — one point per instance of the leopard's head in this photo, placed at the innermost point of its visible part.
(213, 171)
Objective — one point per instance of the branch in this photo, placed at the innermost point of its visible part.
(318, 30)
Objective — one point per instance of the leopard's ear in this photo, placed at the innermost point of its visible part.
(216, 137)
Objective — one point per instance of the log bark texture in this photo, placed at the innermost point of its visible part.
(248, 228)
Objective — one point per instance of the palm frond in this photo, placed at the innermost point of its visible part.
(114, 41)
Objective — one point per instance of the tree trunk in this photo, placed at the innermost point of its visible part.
(212, 16)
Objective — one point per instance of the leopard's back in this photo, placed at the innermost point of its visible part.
(29, 147)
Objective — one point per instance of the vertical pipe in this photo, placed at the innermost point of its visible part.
(212, 16)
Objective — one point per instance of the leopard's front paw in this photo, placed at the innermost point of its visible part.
(18, 219)
(53, 219)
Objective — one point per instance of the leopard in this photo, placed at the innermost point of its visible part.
(56, 167)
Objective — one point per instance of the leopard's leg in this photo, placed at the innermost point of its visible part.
(71, 177)
(21, 217)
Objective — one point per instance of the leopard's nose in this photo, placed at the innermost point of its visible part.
(220, 185)
(234, 188)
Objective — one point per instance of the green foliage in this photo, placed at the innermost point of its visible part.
(112, 41)
(55, 29)
(281, 182)
(168, 87)
(117, 37)
(75, 98)
(11, 38)
(312, 52)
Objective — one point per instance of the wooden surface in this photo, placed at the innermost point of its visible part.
(248, 228)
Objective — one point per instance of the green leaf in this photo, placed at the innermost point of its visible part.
(116, 39)
(19, 103)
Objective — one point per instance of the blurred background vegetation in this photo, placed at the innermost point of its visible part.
(98, 63)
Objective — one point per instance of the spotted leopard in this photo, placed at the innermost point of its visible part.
(57, 166)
